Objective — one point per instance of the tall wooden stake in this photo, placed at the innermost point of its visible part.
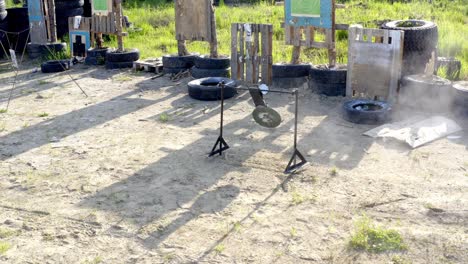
(52, 22)
(214, 37)
(118, 18)
(332, 48)
(182, 48)
(296, 53)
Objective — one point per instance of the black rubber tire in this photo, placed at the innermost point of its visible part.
(87, 9)
(63, 5)
(205, 62)
(353, 113)
(119, 65)
(129, 55)
(3, 37)
(290, 70)
(420, 37)
(174, 61)
(432, 94)
(95, 56)
(451, 65)
(205, 73)
(460, 95)
(207, 89)
(68, 12)
(55, 66)
(329, 82)
(54, 47)
(288, 83)
(167, 70)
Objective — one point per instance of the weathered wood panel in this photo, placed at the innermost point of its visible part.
(193, 20)
(37, 24)
(374, 63)
(251, 53)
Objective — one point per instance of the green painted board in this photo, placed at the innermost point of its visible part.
(100, 5)
(305, 8)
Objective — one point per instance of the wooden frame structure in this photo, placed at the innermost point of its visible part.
(374, 63)
(251, 52)
(301, 30)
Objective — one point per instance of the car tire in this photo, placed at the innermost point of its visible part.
(432, 94)
(367, 112)
(205, 62)
(55, 66)
(205, 73)
(207, 89)
(329, 82)
(460, 98)
(96, 56)
(290, 70)
(130, 55)
(175, 61)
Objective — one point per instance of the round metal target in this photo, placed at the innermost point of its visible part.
(266, 116)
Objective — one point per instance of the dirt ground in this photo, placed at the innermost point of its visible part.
(122, 176)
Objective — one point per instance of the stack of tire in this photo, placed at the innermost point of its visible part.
(3, 29)
(96, 56)
(65, 9)
(119, 60)
(18, 25)
(328, 81)
(289, 75)
(210, 67)
(173, 64)
(420, 42)
(428, 93)
(460, 98)
(37, 50)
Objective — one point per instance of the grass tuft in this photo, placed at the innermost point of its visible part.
(3, 110)
(4, 247)
(375, 239)
(43, 114)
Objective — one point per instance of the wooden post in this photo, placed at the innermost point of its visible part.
(53, 24)
(331, 41)
(214, 38)
(182, 48)
(118, 20)
(296, 53)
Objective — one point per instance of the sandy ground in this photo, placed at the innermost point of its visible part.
(105, 179)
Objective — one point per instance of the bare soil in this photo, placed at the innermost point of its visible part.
(122, 176)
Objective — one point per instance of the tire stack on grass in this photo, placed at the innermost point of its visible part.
(119, 60)
(328, 81)
(289, 75)
(96, 56)
(45, 51)
(18, 22)
(420, 42)
(173, 64)
(65, 9)
(3, 28)
(210, 67)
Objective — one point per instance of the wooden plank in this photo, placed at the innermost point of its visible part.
(37, 25)
(241, 51)
(193, 20)
(269, 54)
(234, 53)
(256, 48)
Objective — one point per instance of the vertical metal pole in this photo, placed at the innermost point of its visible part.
(296, 93)
(222, 113)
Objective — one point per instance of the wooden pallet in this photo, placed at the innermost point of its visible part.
(374, 63)
(251, 52)
(149, 65)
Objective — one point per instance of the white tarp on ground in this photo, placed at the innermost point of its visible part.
(416, 132)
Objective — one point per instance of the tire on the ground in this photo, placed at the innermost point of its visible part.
(96, 56)
(428, 93)
(55, 66)
(204, 73)
(118, 65)
(207, 89)
(129, 55)
(329, 82)
(290, 70)
(175, 61)
(367, 112)
(460, 98)
(205, 62)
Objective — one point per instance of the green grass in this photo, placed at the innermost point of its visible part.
(4, 247)
(155, 18)
(375, 239)
(44, 114)
(3, 110)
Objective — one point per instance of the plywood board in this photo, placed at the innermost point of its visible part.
(318, 13)
(374, 63)
(193, 20)
(37, 24)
